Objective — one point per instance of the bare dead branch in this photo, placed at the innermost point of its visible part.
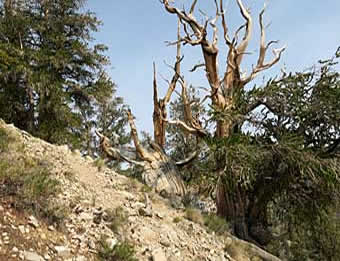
(114, 153)
(186, 104)
(213, 25)
(190, 19)
(193, 7)
(141, 152)
(177, 68)
(188, 160)
(224, 25)
(196, 67)
(249, 27)
(164, 79)
(261, 65)
(155, 91)
(210, 50)
(190, 130)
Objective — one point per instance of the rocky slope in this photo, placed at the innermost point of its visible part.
(97, 210)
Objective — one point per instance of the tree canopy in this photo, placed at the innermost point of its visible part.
(52, 76)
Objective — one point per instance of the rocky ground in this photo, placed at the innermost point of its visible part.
(97, 206)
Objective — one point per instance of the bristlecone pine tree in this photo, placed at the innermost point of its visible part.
(51, 75)
(226, 95)
(293, 155)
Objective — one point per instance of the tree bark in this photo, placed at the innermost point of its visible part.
(248, 217)
(234, 203)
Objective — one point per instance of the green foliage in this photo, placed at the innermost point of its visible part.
(55, 214)
(317, 237)
(116, 218)
(5, 140)
(122, 251)
(99, 163)
(53, 83)
(288, 167)
(146, 189)
(27, 179)
(177, 219)
(30, 185)
(216, 224)
(194, 215)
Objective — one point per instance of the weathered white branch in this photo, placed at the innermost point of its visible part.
(188, 159)
(114, 153)
(224, 25)
(141, 152)
(261, 65)
(249, 27)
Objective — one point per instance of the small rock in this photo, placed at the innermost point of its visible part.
(165, 243)
(32, 256)
(146, 212)
(98, 211)
(51, 228)
(6, 240)
(2, 209)
(97, 219)
(91, 244)
(63, 251)
(138, 205)
(33, 222)
(22, 229)
(228, 241)
(15, 249)
(159, 216)
(158, 255)
(78, 209)
(85, 216)
(111, 242)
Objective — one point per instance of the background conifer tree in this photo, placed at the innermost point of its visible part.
(52, 76)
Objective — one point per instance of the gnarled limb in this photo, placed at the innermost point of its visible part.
(160, 104)
(226, 93)
(114, 153)
(160, 172)
(261, 65)
(141, 152)
(188, 160)
(199, 132)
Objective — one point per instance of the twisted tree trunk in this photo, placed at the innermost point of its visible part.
(244, 209)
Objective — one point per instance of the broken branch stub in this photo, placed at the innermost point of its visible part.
(159, 111)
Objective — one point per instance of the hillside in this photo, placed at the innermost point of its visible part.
(57, 205)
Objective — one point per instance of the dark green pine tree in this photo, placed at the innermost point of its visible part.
(51, 74)
(110, 119)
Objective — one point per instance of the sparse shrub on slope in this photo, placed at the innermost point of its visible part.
(122, 251)
(27, 181)
(217, 224)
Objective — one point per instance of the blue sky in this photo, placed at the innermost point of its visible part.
(135, 32)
